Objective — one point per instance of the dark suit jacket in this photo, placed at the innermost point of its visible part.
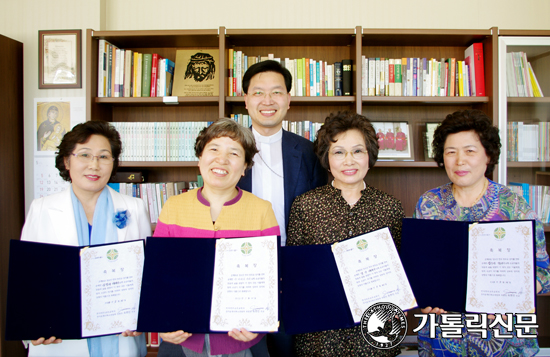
(302, 170)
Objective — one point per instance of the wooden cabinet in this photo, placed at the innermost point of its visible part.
(12, 206)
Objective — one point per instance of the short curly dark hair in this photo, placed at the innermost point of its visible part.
(80, 134)
(467, 120)
(339, 123)
(225, 127)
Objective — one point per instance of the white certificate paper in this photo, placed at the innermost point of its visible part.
(371, 272)
(245, 285)
(501, 268)
(111, 284)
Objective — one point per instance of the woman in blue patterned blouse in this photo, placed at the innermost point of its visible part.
(467, 146)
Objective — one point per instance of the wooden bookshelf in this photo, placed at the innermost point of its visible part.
(331, 45)
(409, 180)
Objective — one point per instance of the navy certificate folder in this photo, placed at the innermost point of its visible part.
(434, 254)
(176, 292)
(44, 291)
(313, 297)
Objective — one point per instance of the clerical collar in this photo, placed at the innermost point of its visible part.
(267, 139)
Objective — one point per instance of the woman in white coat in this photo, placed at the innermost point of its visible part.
(88, 213)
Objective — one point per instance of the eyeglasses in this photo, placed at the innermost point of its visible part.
(103, 159)
(276, 94)
(357, 154)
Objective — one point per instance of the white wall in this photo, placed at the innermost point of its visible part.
(21, 20)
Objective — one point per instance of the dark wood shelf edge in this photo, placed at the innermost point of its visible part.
(405, 164)
(534, 164)
(426, 100)
(145, 164)
(155, 100)
(158, 163)
(537, 100)
(301, 99)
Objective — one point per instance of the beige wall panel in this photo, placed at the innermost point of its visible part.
(176, 14)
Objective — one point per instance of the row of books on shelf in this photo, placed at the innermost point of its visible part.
(175, 141)
(155, 194)
(528, 141)
(310, 77)
(158, 141)
(306, 129)
(127, 73)
(416, 77)
(520, 77)
(537, 196)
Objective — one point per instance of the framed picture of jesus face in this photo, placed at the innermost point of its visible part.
(394, 141)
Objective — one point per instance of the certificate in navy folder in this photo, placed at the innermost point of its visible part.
(178, 278)
(434, 254)
(178, 284)
(45, 285)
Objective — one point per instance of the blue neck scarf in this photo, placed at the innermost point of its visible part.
(103, 231)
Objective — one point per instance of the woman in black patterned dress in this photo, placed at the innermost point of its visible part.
(345, 208)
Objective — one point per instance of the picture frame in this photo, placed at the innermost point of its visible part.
(428, 140)
(394, 140)
(60, 59)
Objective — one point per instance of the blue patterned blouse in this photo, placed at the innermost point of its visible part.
(497, 204)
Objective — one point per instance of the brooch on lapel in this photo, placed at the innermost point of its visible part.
(121, 219)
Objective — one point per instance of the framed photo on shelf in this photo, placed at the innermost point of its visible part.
(60, 59)
(394, 141)
(428, 140)
(195, 73)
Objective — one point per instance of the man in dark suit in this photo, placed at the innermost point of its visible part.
(286, 165)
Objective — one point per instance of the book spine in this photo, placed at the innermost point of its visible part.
(230, 72)
(338, 79)
(415, 77)
(307, 73)
(154, 74)
(101, 68)
(146, 75)
(372, 77)
(392, 77)
(377, 77)
(387, 77)
(346, 77)
(135, 74)
(128, 73)
(398, 77)
(479, 70)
